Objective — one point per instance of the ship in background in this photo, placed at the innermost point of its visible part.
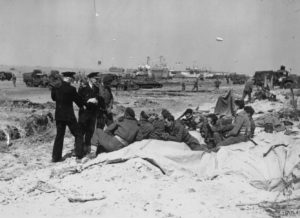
(116, 69)
(156, 71)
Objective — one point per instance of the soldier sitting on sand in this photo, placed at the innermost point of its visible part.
(178, 133)
(188, 120)
(250, 111)
(241, 127)
(146, 128)
(118, 135)
(216, 130)
(158, 125)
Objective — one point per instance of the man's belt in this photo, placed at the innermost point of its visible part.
(123, 141)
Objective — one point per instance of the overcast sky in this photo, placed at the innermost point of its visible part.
(258, 34)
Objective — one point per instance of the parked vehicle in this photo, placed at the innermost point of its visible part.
(36, 79)
(278, 77)
(6, 75)
(238, 78)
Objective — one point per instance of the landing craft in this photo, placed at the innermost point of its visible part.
(219, 39)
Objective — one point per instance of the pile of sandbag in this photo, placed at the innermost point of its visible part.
(37, 123)
(25, 103)
(9, 132)
(34, 124)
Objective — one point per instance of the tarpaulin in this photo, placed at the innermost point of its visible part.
(243, 159)
(225, 105)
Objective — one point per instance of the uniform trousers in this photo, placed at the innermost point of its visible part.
(87, 122)
(59, 139)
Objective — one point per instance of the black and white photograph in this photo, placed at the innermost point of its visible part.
(149, 108)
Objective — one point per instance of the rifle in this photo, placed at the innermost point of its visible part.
(272, 148)
(251, 140)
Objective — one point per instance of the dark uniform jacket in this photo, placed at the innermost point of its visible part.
(64, 96)
(107, 96)
(190, 123)
(126, 128)
(248, 86)
(158, 129)
(178, 133)
(145, 129)
(220, 127)
(87, 92)
(241, 125)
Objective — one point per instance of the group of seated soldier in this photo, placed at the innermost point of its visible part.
(222, 130)
(216, 131)
(128, 129)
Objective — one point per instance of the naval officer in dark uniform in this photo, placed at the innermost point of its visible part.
(89, 92)
(64, 96)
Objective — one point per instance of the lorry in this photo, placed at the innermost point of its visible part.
(238, 78)
(36, 79)
(6, 75)
(280, 78)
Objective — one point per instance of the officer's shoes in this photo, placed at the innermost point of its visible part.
(57, 160)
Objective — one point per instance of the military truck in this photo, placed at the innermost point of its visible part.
(238, 78)
(278, 77)
(36, 79)
(5, 75)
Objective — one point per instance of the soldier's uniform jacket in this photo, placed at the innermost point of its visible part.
(106, 94)
(158, 129)
(248, 86)
(178, 133)
(64, 96)
(125, 128)
(241, 125)
(190, 123)
(145, 129)
(87, 92)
